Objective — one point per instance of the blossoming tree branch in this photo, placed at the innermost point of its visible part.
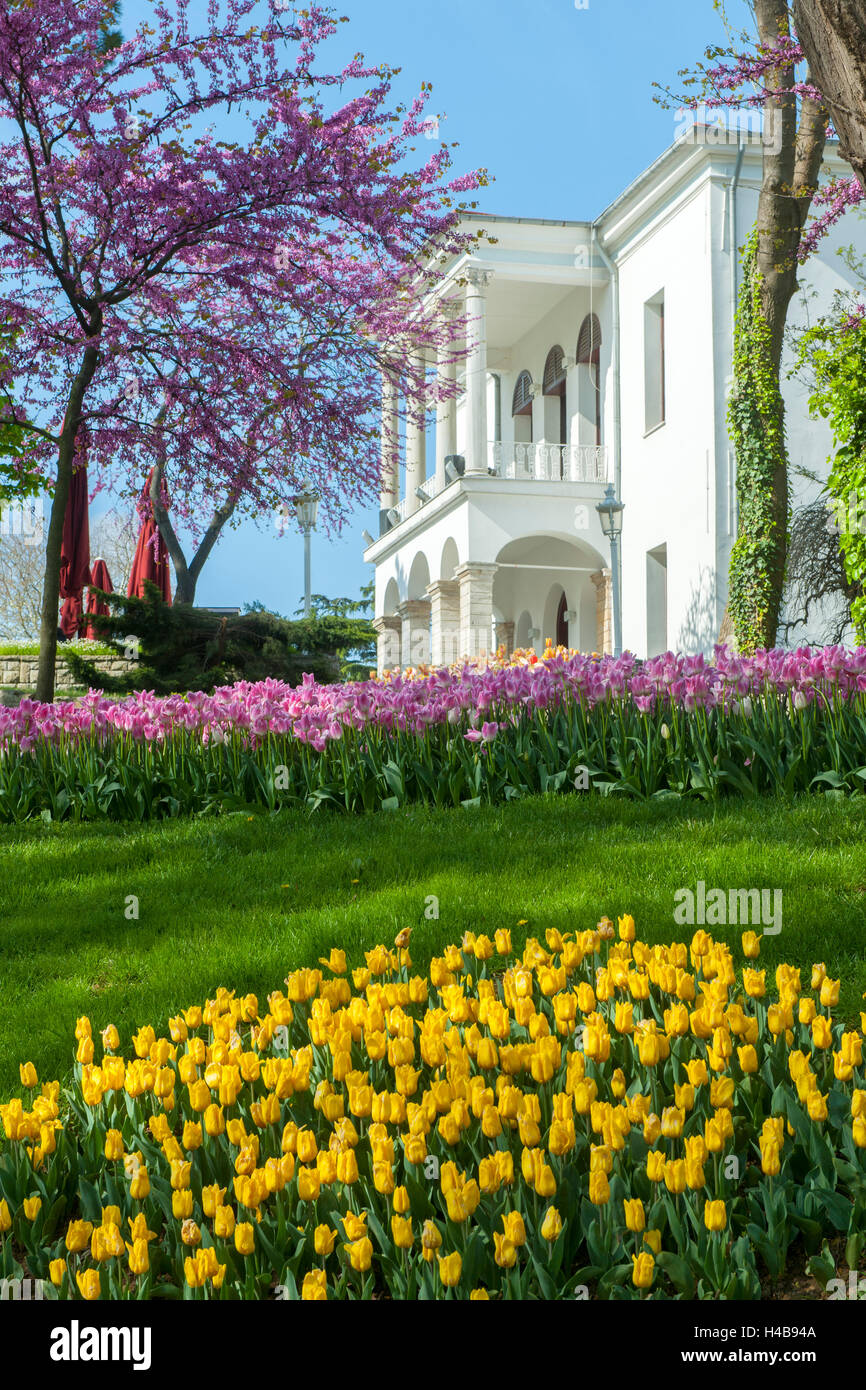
(220, 311)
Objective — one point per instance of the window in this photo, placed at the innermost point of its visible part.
(654, 361)
(562, 623)
(589, 381)
(521, 403)
(555, 413)
(521, 409)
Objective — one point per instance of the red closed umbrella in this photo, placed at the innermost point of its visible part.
(100, 579)
(151, 556)
(75, 545)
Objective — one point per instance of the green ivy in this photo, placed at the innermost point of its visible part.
(757, 430)
(836, 350)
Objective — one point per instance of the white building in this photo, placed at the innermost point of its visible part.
(596, 352)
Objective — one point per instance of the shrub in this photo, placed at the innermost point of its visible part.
(181, 647)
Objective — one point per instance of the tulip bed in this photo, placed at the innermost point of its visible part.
(594, 1116)
(675, 725)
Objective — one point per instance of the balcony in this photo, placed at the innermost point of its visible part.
(545, 463)
(548, 463)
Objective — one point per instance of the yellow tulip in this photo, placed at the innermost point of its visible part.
(599, 1189)
(88, 1284)
(450, 1268)
(643, 1266)
(504, 1252)
(401, 1232)
(675, 1176)
(360, 1254)
(245, 1238)
(551, 1226)
(635, 1216)
(139, 1259)
(78, 1236)
(315, 1287)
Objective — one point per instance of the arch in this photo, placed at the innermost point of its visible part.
(521, 401)
(554, 372)
(560, 637)
(589, 340)
(521, 629)
(589, 381)
(391, 601)
(555, 410)
(419, 577)
(554, 604)
(450, 559)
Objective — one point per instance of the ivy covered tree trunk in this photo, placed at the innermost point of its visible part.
(757, 428)
(792, 160)
(833, 37)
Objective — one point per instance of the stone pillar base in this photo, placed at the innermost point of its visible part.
(445, 621)
(505, 637)
(415, 618)
(603, 612)
(475, 581)
(388, 643)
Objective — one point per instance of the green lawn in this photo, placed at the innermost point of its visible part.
(240, 900)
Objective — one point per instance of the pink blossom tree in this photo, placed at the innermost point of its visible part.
(220, 310)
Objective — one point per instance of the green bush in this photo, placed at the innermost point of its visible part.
(185, 648)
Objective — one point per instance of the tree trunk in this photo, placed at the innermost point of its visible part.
(833, 36)
(51, 585)
(187, 574)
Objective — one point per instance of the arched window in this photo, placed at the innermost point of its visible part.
(555, 425)
(554, 372)
(589, 379)
(521, 409)
(589, 340)
(562, 623)
(521, 403)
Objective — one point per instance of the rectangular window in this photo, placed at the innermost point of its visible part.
(654, 361)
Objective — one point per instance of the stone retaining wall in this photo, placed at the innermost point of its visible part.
(20, 671)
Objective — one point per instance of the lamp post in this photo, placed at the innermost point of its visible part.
(306, 506)
(610, 511)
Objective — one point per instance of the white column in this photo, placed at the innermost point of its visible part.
(389, 488)
(476, 369)
(446, 416)
(416, 445)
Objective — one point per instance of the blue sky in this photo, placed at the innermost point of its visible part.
(555, 99)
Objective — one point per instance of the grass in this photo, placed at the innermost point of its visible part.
(32, 648)
(242, 899)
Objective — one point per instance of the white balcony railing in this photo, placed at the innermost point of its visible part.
(553, 463)
(431, 488)
(549, 463)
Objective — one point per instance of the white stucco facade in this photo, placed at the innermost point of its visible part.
(596, 353)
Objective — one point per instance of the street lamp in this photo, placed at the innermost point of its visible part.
(306, 506)
(610, 511)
